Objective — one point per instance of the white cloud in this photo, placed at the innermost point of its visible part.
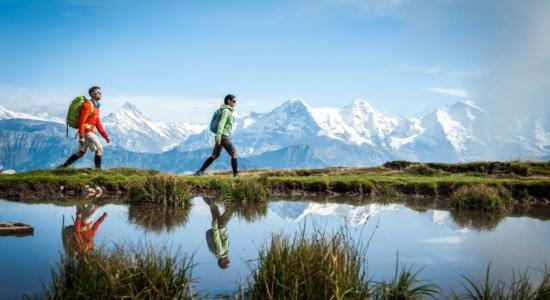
(450, 240)
(455, 92)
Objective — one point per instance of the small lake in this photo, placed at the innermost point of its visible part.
(445, 245)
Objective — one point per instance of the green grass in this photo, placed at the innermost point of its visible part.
(162, 190)
(320, 266)
(396, 180)
(404, 285)
(80, 176)
(482, 198)
(308, 266)
(122, 274)
(251, 189)
(520, 288)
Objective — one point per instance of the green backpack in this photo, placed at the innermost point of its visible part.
(73, 115)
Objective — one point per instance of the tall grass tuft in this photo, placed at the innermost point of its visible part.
(481, 197)
(420, 169)
(242, 189)
(315, 267)
(162, 189)
(120, 274)
(521, 288)
(404, 285)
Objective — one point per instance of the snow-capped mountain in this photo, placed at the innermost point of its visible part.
(293, 135)
(358, 134)
(133, 131)
(43, 116)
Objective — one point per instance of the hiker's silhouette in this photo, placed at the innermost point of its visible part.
(217, 237)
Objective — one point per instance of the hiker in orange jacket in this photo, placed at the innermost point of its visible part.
(89, 122)
(84, 230)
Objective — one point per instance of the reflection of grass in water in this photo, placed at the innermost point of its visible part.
(477, 220)
(137, 273)
(158, 218)
(162, 189)
(248, 211)
(520, 287)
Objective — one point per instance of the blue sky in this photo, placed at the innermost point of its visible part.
(177, 59)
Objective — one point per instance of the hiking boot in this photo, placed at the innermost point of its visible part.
(199, 173)
(236, 175)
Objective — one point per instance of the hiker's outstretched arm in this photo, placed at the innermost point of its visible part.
(101, 130)
(96, 225)
(221, 125)
(84, 114)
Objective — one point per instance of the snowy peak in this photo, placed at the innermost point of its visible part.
(461, 126)
(361, 105)
(10, 114)
(130, 108)
(292, 107)
(127, 111)
(138, 133)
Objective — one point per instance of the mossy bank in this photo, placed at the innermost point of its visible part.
(523, 183)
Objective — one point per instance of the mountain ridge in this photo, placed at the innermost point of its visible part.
(295, 134)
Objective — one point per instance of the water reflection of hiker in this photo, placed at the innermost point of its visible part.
(222, 126)
(79, 237)
(217, 237)
(87, 124)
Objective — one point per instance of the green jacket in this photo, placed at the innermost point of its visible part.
(218, 241)
(225, 126)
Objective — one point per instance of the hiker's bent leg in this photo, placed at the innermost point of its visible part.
(224, 219)
(215, 211)
(212, 158)
(71, 160)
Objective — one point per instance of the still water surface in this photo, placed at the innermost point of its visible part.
(447, 246)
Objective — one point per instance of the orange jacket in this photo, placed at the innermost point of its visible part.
(89, 120)
(85, 234)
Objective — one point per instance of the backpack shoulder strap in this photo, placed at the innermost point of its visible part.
(92, 106)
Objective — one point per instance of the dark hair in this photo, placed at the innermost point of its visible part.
(93, 89)
(228, 97)
(223, 262)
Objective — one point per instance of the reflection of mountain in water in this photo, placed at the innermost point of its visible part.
(295, 211)
(357, 215)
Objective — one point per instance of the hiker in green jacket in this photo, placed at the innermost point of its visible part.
(217, 238)
(223, 130)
